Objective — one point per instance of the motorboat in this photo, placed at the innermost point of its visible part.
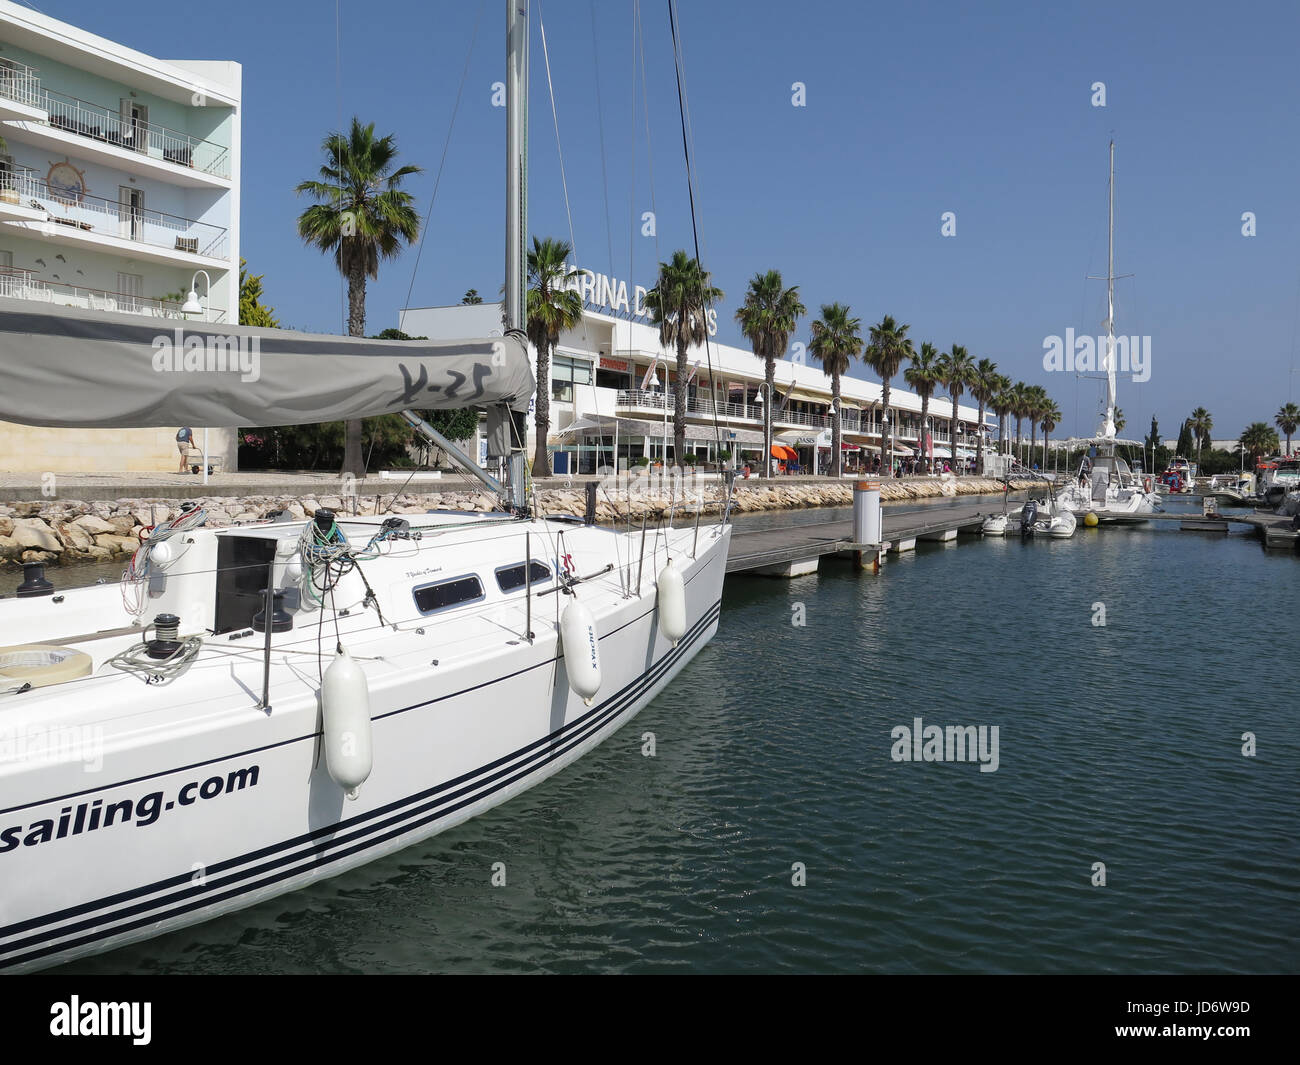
(1046, 517)
(995, 525)
(1178, 476)
(1233, 489)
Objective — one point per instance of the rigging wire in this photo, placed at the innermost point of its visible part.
(678, 61)
(338, 124)
(446, 145)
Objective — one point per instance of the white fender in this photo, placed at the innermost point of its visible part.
(345, 701)
(672, 603)
(581, 649)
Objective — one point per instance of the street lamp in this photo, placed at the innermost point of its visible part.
(193, 306)
(837, 459)
(929, 440)
(655, 379)
(767, 425)
(886, 462)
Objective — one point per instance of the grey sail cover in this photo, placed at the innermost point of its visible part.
(67, 367)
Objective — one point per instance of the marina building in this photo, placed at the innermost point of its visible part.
(612, 388)
(119, 192)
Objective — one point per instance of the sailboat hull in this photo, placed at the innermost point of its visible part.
(218, 805)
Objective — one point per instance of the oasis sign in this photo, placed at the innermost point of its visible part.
(610, 294)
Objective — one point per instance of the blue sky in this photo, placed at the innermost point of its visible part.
(912, 110)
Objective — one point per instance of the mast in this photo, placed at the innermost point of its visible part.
(1108, 423)
(516, 162)
(503, 426)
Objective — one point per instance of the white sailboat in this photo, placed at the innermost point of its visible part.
(260, 707)
(1105, 488)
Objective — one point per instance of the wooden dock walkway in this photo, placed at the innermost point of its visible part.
(1274, 529)
(773, 549)
(791, 550)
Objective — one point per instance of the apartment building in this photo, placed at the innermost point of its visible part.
(119, 192)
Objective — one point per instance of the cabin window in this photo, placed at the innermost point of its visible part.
(510, 578)
(430, 598)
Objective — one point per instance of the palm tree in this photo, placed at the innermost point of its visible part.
(1020, 402)
(767, 318)
(885, 353)
(552, 308)
(471, 297)
(923, 375)
(1202, 422)
(836, 340)
(983, 387)
(1050, 417)
(955, 369)
(1259, 439)
(1120, 420)
(1288, 419)
(1003, 403)
(1032, 400)
(362, 215)
(1040, 401)
(677, 304)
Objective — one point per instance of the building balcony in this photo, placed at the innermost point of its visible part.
(641, 401)
(30, 206)
(701, 405)
(24, 285)
(54, 119)
(20, 92)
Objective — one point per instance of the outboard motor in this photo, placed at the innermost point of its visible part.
(1028, 516)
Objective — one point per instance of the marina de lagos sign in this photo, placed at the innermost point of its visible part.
(609, 294)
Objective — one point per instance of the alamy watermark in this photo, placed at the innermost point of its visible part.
(54, 745)
(954, 743)
(1086, 354)
(208, 352)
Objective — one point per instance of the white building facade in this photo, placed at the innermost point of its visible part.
(119, 182)
(612, 390)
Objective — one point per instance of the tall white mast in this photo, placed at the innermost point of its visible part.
(1108, 422)
(516, 161)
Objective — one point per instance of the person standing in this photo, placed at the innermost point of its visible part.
(184, 441)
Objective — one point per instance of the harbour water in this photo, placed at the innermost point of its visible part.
(773, 752)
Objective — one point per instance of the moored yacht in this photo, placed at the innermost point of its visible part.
(259, 707)
(1105, 490)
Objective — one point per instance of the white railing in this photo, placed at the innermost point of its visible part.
(794, 417)
(18, 184)
(24, 285)
(19, 82)
(108, 217)
(703, 405)
(147, 138)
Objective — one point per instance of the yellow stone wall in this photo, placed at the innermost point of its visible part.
(37, 449)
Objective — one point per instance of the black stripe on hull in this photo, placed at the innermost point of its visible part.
(426, 808)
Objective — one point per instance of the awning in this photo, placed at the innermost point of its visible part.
(654, 430)
(579, 425)
(803, 395)
(804, 438)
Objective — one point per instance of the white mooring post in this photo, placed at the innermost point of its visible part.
(868, 526)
